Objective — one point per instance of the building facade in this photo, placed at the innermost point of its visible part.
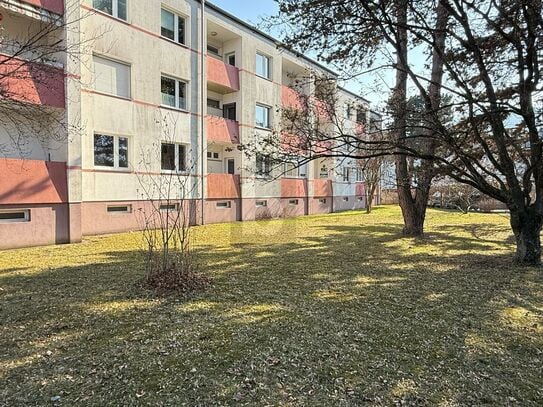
(156, 91)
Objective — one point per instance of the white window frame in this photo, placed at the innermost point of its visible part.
(177, 170)
(223, 205)
(168, 207)
(115, 151)
(128, 65)
(26, 217)
(122, 212)
(114, 9)
(293, 202)
(268, 109)
(176, 97)
(177, 16)
(266, 162)
(346, 174)
(359, 175)
(261, 203)
(269, 68)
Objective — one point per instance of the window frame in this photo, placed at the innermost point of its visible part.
(114, 10)
(263, 166)
(261, 203)
(177, 170)
(26, 218)
(176, 95)
(268, 109)
(223, 205)
(177, 16)
(269, 65)
(116, 154)
(121, 212)
(117, 61)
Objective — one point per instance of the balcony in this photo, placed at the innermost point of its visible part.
(222, 130)
(222, 78)
(360, 188)
(32, 182)
(291, 99)
(33, 83)
(54, 6)
(322, 188)
(293, 187)
(223, 186)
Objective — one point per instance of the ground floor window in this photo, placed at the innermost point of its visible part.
(173, 157)
(110, 151)
(14, 215)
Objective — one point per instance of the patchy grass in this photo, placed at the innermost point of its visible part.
(324, 310)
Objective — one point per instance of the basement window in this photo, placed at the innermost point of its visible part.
(261, 203)
(168, 207)
(322, 201)
(224, 205)
(360, 199)
(293, 202)
(119, 208)
(12, 216)
(345, 199)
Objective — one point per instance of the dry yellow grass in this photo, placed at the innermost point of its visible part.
(325, 310)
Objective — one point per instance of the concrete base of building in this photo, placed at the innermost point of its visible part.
(47, 225)
(64, 223)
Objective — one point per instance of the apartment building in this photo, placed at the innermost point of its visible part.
(158, 90)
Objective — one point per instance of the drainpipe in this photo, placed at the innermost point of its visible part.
(202, 105)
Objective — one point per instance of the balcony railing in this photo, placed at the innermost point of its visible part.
(222, 130)
(54, 6)
(223, 186)
(322, 188)
(360, 188)
(224, 76)
(291, 98)
(33, 83)
(293, 187)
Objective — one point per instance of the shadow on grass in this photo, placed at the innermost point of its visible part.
(341, 315)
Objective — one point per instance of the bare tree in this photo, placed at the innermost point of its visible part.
(168, 213)
(35, 52)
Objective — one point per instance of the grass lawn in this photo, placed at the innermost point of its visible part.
(317, 311)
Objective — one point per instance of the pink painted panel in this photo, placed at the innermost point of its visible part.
(223, 186)
(322, 187)
(32, 182)
(290, 98)
(360, 189)
(55, 6)
(222, 74)
(293, 188)
(222, 130)
(31, 82)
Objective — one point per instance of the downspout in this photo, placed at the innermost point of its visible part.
(202, 107)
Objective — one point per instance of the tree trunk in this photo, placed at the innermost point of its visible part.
(526, 225)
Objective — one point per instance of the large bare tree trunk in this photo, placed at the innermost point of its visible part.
(526, 225)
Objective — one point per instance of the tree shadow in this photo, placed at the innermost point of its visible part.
(337, 315)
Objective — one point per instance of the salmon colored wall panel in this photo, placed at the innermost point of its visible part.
(223, 186)
(360, 189)
(32, 182)
(293, 188)
(55, 6)
(222, 130)
(223, 74)
(213, 214)
(322, 187)
(48, 225)
(290, 98)
(33, 83)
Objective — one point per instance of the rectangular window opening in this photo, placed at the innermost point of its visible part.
(12, 216)
(224, 205)
(261, 203)
(119, 208)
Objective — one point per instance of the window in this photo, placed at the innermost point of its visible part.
(230, 58)
(11, 216)
(110, 151)
(296, 170)
(263, 66)
(213, 50)
(345, 199)
(119, 208)
(361, 115)
(173, 92)
(263, 165)
(293, 202)
(360, 199)
(212, 155)
(111, 77)
(115, 8)
(347, 110)
(261, 203)
(229, 111)
(262, 116)
(223, 205)
(168, 207)
(215, 104)
(173, 157)
(359, 175)
(322, 201)
(346, 174)
(172, 26)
